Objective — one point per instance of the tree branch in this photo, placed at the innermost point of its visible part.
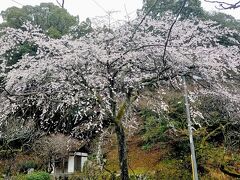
(170, 30)
(144, 17)
(61, 4)
(224, 5)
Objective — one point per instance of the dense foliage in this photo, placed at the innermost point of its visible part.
(158, 8)
(52, 19)
(193, 9)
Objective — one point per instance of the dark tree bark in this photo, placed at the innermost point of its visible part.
(122, 151)
(228, 172)
(117, 116)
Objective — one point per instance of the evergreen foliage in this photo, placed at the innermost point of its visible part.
(52, 19)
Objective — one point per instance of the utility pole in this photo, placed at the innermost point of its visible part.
(193, 156)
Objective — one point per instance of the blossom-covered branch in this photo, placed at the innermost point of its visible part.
(83, 74)
(81, 86)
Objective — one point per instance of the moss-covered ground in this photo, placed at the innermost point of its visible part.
(160, 162)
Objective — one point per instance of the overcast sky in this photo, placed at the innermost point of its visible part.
(92, 8)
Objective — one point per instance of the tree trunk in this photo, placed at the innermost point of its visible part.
(228, 172)
(116, 119)
(122, 151)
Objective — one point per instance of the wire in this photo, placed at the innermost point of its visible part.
(101, 7)
(17, 2)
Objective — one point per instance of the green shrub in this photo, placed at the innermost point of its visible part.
(154, 128)
(33, 176)
(181, 148)
(16, 53)
(38, 176)
(19, 177)
(176, 112)
(141, 177)
(24, 166)
(147, 146)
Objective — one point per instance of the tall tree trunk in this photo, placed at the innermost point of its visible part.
(119, 129)
(122, 151)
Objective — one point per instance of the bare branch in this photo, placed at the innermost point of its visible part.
(170, 30)
(224, 5)
(61, 4)
(144, 17)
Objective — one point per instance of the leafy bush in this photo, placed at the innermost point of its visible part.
(157, 126)
(20, 177)
(141, 177)
(33, 176)
(181, 148)
(92, 171)
(15, 54)
(154, 129)
(176, 112)
(24, 166)
(38, 176)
